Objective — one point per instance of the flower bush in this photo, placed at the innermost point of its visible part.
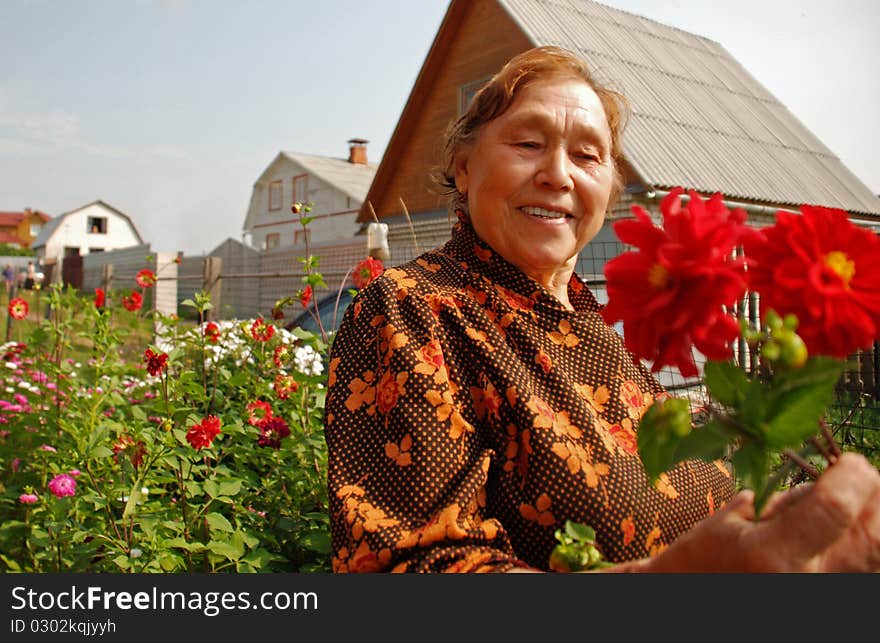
(201, 450)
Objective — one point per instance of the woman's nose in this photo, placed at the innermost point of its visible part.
(555, 171)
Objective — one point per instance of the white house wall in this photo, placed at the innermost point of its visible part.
(73, 232)
(334, 213)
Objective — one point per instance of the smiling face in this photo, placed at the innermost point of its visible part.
(538, 178)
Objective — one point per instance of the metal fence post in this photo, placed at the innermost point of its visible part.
(211, 284)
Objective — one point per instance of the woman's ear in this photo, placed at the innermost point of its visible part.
(460, 165)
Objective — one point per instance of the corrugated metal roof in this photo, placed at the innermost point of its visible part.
(351, 178)
(700, 120)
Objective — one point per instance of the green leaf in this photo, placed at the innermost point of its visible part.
(751, 464)
(230, 487)
(727, 382)
(218, 522)
(211, 488)
(656, 447)
(580, 532)
(182, 544)
(798, 417)
(230, 550)
(707, 442)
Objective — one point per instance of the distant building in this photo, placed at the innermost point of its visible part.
(96, 227)
(19, 229)
(336, 187)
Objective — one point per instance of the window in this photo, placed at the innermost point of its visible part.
(273, 240)
(275, 195)
(71, 251)
(300, 237)
(36, 228)
(97, 225)
(467, 92)
(299, 186)
(91, 250)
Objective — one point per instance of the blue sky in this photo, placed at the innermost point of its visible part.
(170, 109)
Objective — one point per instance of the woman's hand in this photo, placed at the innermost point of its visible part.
(832, 525)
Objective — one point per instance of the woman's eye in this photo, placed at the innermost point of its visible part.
(589, 157)
(529, 145)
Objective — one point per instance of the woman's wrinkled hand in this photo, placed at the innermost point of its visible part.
(831, 525)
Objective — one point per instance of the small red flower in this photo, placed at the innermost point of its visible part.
(261, 331)
(285, 386)
(822, 268)
(18, 308)
(277, 312)
(258, 411)
(212, 332)
(201, 435)
(366, 271)
(145, 278)
(305, 296)
(100, 297)
(281, 353)
(272, 431)
(156, 362)
(126, 445)
(133, 302)
(672, 292)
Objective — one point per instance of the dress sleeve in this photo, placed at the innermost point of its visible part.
(407, 469)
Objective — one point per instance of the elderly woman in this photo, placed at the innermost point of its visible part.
(478, 401)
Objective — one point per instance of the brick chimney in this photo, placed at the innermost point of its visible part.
(357, 151)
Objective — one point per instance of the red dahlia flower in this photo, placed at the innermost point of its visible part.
(366, 271)
(672, 291)
(272, 431)
(822, 268)
(285, 386)
(100, 297)
(145, 278)
(258, 412)
(18, 308)
(202, 434)
(212, 332)
(156, 362)
(261, 331)
(133, 302)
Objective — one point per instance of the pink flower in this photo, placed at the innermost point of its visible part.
(74, 472)
(15, 464)
(62, 485)
(28, 498)
(46, 447)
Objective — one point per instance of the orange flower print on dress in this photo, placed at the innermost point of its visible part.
(545, 417)
(390, 339)
(516, 301)
(402, 280)
(622, 433)
(596, 399)
(664, 486)
(438, 303)
(448, 408)
(400, 452)
(710, 501)
(331, 371)
(390, 390)
(483, 254)
(652, 542)
(634, 400)
(564, 337)
(432, 362)
(517, 452)
(440, 527)
(362, 392)
(577, 459)
(628, 529)
(430, 267)
(563, 427)
(540, 512)
(487, 400)
(543, 360)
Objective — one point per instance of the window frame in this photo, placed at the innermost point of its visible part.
(279, 185)
(299, 179)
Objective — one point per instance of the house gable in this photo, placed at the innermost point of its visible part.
(95, 227)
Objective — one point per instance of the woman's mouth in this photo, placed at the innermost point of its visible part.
(544, 213)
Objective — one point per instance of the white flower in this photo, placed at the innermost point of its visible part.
(11, 366)
(308, 361)
(136, 553)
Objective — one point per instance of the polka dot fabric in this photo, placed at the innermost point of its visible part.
(469, 414)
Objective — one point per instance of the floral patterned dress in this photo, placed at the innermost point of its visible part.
(469, 414)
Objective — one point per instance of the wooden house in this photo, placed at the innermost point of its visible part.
(699, 120)
(19, 229)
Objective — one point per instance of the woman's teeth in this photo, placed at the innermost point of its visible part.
(541, 212)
